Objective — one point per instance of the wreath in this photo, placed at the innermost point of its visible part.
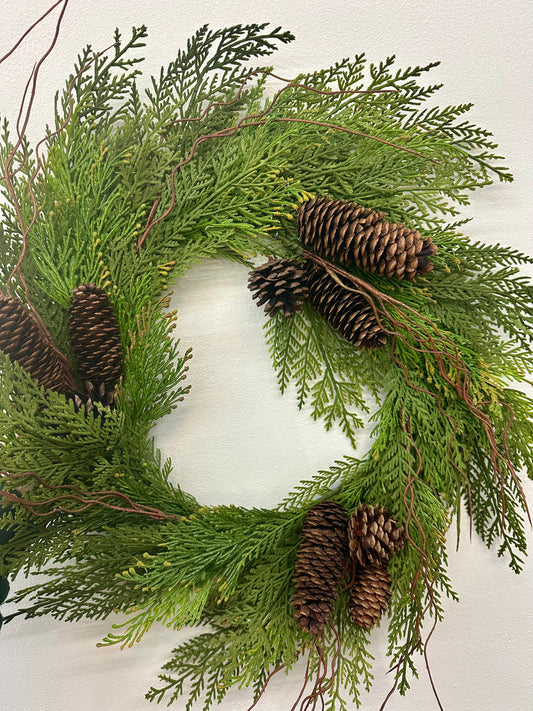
(377, 303)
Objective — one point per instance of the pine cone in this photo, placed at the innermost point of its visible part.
(373, 535)
(320, 565)
(370, 595)
(94, 335)
(347, 233)
(345, 311)
(23, 341)
(280, 284)
(89, 403)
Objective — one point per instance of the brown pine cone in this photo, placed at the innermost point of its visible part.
(320, 565)
(373, 536)
(280, 284)
(95, 335)
(90, 402)
(370, 595)
(22, 340)
(347, 233)
(345, 311)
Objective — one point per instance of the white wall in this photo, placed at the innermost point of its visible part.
(237, 439)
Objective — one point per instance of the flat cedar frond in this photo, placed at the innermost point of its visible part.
(330, 375)
(172, 607)
(154, 369)
(211, 66)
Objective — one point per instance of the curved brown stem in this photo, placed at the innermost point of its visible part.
(424, 560)
(22, 123)
(334, 658)
(263, 689)
(316, 693)
(306, 676)
(33, 81)
(389, 695)
(88, 499)
(427, 339)
(352, 569)
(260, 119)
(30, 28)
(290, 85)
(31, 181)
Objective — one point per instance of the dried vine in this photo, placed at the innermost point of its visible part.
(246, 122)
(447, 356)
(88, 498)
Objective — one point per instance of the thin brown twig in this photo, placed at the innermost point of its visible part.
(263, 689)
(70, 101)
(306, 676)
(316, 692)
(99, 498)
(424, 560)
(431, 342)
(291, 85)
(306, 681)
(428, 666)
(260, 120)
(31, 181)
(66, 121)
(21, 132)
(410, 510)
(389, 695)
(30, 505)
(505, 435)
(450, 419)
(411, 647)
(335, 657)
(278, 669)
(352, 569)
(30, 28)
(345, 129)
(33, 81)
(319, 693)
(48, 485)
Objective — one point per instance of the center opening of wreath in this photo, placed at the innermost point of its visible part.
(236, 439)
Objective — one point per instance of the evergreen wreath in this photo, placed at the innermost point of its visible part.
(352, 188)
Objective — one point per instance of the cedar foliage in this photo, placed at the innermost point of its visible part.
(228, 566)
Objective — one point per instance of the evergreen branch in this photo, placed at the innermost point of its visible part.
(329, 373)
(153, 369)
(210, 65)
(173, 607)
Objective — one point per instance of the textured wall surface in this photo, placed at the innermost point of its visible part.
(235, 439)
